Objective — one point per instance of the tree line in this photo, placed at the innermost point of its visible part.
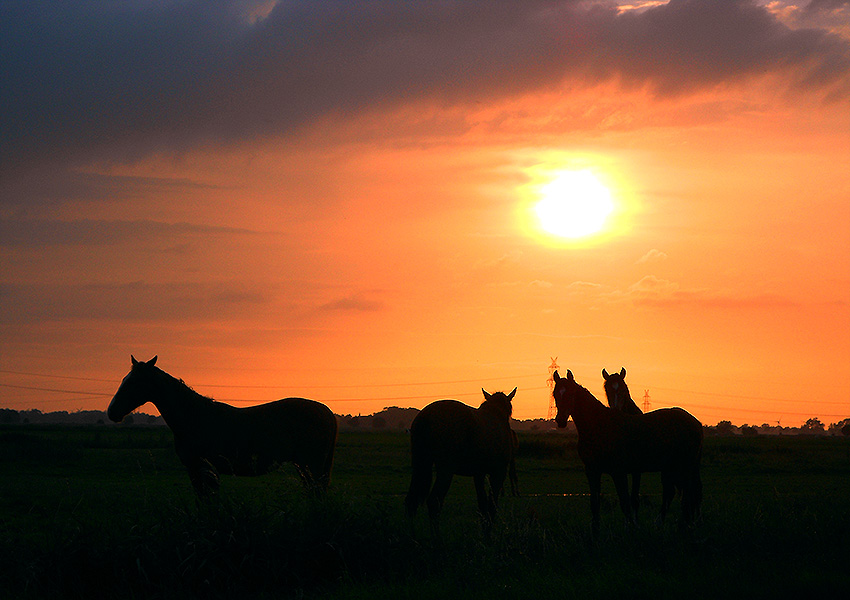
(394, 418)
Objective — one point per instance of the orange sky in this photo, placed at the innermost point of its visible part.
(347, 216)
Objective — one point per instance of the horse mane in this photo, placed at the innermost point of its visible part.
(589, 394)
(186, 388)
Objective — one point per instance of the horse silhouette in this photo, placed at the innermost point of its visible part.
(212, 437)
(619, 398)
(452, 438)
(668, 440)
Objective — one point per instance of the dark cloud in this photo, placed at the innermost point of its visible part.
(115, 81)
(134, 302)
(56, 186)
(355, 303)
(45, 233)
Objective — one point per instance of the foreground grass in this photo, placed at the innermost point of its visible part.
(770, 528)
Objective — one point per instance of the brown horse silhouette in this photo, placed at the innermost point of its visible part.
(212, 437)
(668, 440)
(619, 398)
(455, 439)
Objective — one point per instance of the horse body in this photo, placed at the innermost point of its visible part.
(452, 438)
(212, 437)
(667, 440)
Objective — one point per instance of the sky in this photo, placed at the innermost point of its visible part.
(336, 200)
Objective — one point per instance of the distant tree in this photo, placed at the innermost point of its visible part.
(749, 430)
(9, 416)
(724, 428)
(813, 425)
(838, 428)
(379, 422)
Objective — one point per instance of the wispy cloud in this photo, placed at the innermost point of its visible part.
(354, 303)
(656, 292)
(653, 256)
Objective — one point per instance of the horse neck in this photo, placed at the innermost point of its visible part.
(491, 409)
(175, 400)
(587, 410)
(629, 405)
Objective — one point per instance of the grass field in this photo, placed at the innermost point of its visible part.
(107, 512)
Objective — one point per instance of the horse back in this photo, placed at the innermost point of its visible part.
(668, 438)
(250, 440)
(660, 440)
(455, 437)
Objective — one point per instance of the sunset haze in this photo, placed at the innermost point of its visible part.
(337, 201)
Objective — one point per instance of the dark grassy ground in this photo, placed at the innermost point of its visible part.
(109, 512)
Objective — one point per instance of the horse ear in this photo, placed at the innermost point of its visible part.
(152, 361)
(570, 376)
(623, 372)
(511, 395)
(556, 377)
(605, 375)
(486, 395)
(133, 360)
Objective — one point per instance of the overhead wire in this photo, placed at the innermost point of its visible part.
(92, 395)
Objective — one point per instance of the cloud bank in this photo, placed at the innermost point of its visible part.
(117, 81)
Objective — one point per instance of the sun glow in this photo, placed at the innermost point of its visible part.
(575, 204)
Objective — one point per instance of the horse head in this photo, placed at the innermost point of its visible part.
(499, 401)
(565, 392)
(616, 389)
(133, 391)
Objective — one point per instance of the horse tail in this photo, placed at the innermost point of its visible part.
(420, 481)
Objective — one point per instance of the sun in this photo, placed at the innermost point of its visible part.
(574, 205)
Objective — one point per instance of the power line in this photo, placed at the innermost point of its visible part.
(51, 376)
(90, 395)
(40, 389)
(739, 397)
(275, 387)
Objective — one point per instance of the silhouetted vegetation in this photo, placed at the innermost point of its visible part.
(108, 512)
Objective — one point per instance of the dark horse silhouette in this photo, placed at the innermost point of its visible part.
(212, 437)
(619, 398)
(455, 439)
(668, 440)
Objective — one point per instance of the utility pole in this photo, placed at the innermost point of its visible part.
(553, 410)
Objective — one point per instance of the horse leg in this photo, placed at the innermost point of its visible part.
(621, 483)
(497, 482)
(436, 497)
(594, 478)
(486, 502)
(668, 490)
(691, 497)
(635, 494)
(420, 484)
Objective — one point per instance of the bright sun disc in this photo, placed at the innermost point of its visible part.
(574, 205)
